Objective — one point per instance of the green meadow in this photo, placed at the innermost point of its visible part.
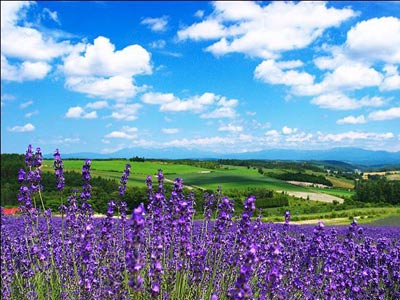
(228, 177)
(239, 181)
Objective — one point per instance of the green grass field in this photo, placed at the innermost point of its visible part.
(143, 168)
(367, 215)
(389, 220)
(239, 178)
(112, 169)
(229, 177)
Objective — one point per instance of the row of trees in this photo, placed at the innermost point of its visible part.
(378, 190)
(10, 165)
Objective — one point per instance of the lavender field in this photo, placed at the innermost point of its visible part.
(159, 252)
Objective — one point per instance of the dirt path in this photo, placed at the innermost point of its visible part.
(325, 221)
(315, 196)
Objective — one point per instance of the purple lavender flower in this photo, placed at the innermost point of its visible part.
(21, 175)
(107, 227)
(135, 238)
(29, 157)
(122, 210)
(86, 188)
(319, 228)
(287, 217)
(168, 255)
(160, 177)
(224, 220)
(38, 158)
(156, 223)
(58, 170)
(178, 184)
(208, 205)
(33, 176)
(185, 214)
(25, 194)
(124, 180)
(149, 183)
(242, 289)
(243, 231)
(150, 195)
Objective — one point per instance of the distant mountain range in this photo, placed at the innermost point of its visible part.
(349, 155)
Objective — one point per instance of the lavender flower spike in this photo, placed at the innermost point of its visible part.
(134, 260)
(58, 170)
(124, 180)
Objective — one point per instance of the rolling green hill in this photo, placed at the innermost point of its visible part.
(227, 176)
(237, 181)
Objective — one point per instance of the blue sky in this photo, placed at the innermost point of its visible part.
(214, 76)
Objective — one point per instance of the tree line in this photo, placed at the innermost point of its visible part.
(377, 190)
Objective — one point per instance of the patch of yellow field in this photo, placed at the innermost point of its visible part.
(390, 175)
(393, 177)
(340, 183)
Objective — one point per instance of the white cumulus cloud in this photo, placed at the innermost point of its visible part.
(27, 52)
(24, 71)
(375, 39)
(389, 114)
(272, 72)
(339, 101)
(125, 111)
(352, 120)
(288, 130)
(97, 105)
(346, 77)
(78, 112)
(116, 87)
(25, 128)
(156, 24)
(392, 79)
(125, 132)
(38, 46)
(102, 59)
(264, 30)
(103, 71)
(208, 104)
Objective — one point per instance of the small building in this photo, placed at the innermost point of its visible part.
(11, 211)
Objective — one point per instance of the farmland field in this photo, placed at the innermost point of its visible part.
(391, 175)
(237, 182)
(341, 183)
(315, 196)
(229, 177)
(111, 169)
